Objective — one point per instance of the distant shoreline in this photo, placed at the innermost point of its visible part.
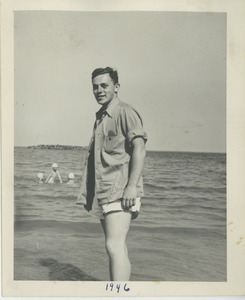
(58, 147)
(70, 147)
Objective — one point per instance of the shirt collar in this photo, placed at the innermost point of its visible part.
(109, 110)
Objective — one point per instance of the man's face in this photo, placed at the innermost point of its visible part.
(104, 89)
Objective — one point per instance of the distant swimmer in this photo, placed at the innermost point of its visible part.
(53, 175)
(71, 177)
(40, 177)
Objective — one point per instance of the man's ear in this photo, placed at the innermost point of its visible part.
(117, 86)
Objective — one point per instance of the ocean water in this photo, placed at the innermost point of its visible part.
(179, 235)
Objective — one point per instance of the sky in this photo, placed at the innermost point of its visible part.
(171, 65)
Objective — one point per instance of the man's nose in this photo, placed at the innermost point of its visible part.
(99, 89)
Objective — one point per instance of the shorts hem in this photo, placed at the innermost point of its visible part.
(102, 210)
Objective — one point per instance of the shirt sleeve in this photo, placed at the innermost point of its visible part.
(132, 125)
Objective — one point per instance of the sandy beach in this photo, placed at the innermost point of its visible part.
(57, 253)
(75, 252)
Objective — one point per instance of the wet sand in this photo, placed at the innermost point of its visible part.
(74, 251)
(57, 254)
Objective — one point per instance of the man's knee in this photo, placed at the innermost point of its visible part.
(115, 247)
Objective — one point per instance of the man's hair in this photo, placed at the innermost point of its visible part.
(111, 71)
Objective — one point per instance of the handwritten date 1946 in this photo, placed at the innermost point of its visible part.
(118, 287)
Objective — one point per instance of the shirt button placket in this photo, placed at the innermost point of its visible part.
(98, 145)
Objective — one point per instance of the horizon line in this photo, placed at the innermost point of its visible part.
(149, 150)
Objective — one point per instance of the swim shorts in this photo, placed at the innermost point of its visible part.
(101, 210)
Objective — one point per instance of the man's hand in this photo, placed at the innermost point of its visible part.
(137, 162)
(129, 196)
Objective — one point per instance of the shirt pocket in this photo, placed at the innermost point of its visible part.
(112, 143)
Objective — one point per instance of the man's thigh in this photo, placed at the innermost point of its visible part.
(116, 224)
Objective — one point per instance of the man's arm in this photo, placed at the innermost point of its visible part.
(137, 164)
(59, 177)
(48, 177)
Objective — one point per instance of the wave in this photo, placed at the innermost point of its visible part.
(63, 227)
(165, 186)
(87, 229)
(198, 231)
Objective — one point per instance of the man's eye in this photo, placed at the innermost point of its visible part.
(104, 85)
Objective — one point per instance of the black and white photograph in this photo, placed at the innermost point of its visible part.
(120, 152)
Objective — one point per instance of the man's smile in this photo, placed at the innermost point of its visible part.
(100, 97)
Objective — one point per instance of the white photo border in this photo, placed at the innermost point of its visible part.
(235, 10)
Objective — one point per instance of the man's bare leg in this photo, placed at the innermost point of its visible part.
(116, 226)
(103, 226)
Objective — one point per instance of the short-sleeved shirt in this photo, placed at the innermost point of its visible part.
(107, 166)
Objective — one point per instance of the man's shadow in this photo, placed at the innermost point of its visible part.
(64, 272)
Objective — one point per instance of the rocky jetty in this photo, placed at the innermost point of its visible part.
(58, 147)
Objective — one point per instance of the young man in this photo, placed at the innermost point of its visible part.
(112, 179)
